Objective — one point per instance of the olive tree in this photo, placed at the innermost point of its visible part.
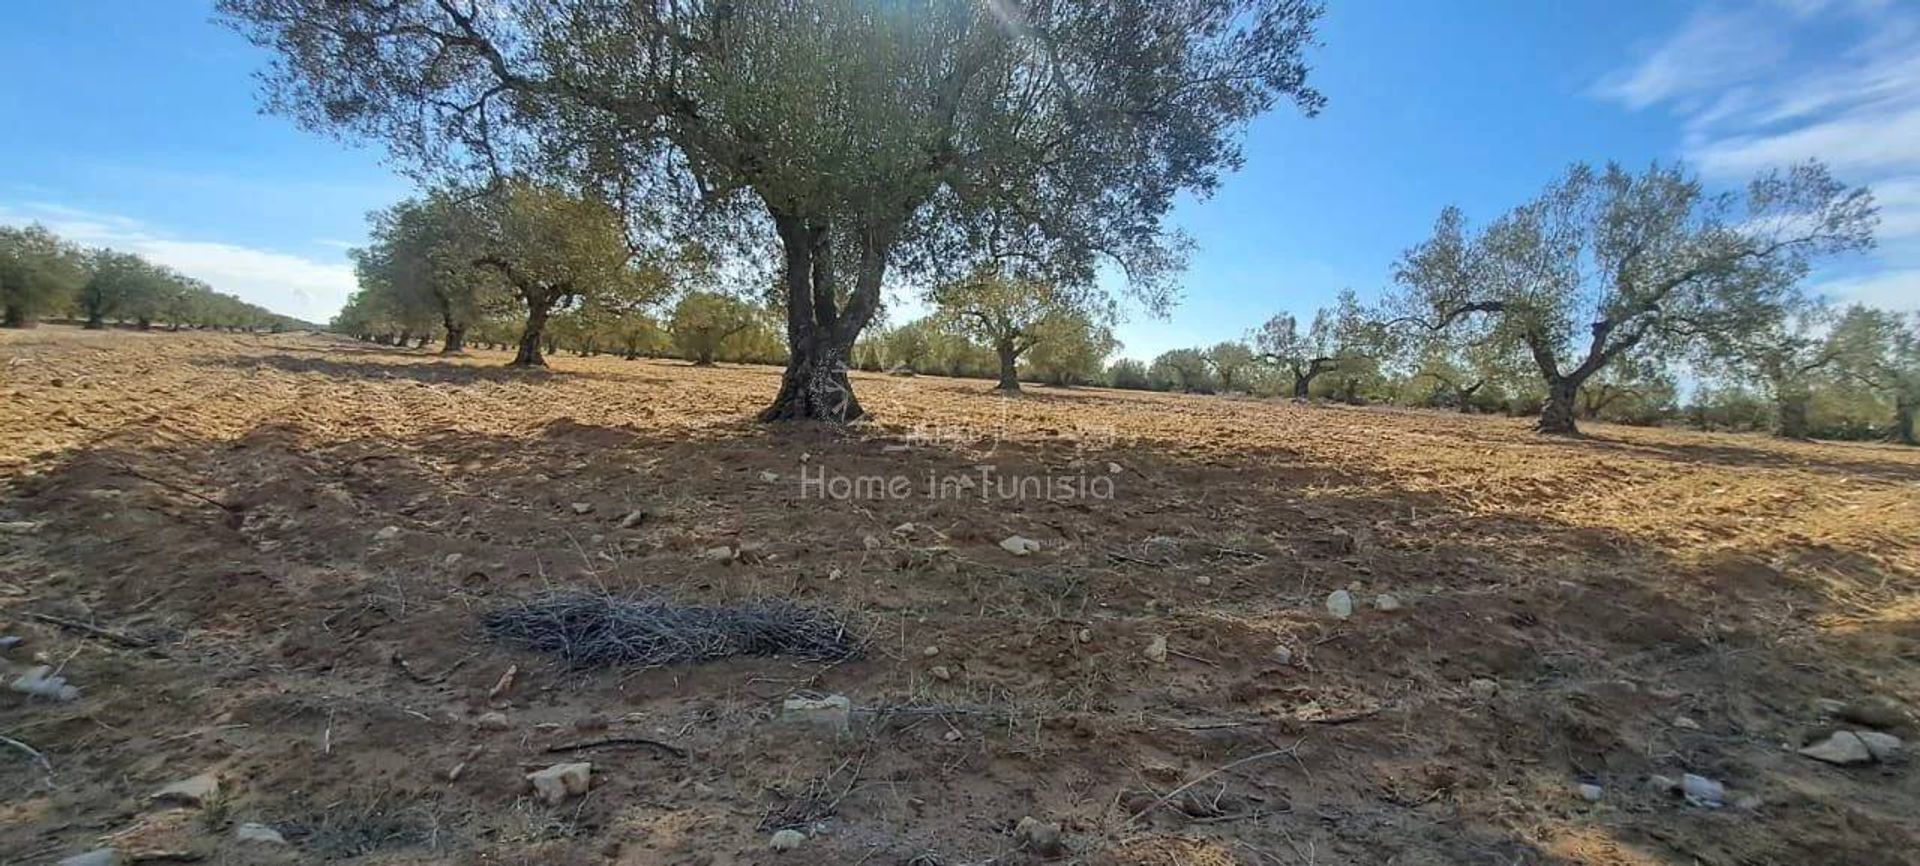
(703, 322)
(553, 248)
(38, 272)
(865, 135)
(1881, 350)
(1007, 311)
(1340, 335)
(1609, 262)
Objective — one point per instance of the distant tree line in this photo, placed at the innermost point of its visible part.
(43, 276)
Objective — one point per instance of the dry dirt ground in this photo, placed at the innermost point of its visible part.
(289, 542)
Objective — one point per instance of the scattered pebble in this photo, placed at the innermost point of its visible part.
(1885, 747)
(941, 673)
(560, 781)
(1874, 712)
(1203, 580)
(1386, 602)
(1843, 748)
(786, 840)
(722, 553)
(1019, 545)
(1340, 604)
(387, 533)
(451, 560)
(1085, 635)
(254, 832)
(193, 792)
(1829, 706)
(1685, 723)
(1483, 689)
(8, 642)
(1702, 791)
(583, 508)
(41, 682)
(634, 518)
(98, 857)
(1039, 836)
(1156, 650)
(1283, 654)
(769, 476)
(1749, 803)
(1590, 792)
(1114, 468)
(930, 651)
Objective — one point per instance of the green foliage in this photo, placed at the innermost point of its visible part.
(1181, 370)
(704, 323)
(1129, 374)
(39, 273)
(1069, 348)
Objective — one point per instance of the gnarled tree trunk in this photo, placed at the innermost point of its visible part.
(529, 354)
(820, 335)
(1009, 362)
(1904, 408)
(456, 341)
(1556, 417)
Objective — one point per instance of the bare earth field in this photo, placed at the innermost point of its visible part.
(289, 542)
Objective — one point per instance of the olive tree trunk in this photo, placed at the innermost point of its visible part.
(529, 354)
(1009, 363)
(1556, 417)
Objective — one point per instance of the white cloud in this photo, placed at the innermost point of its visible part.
(1852, 102)
(285, 283)
(1889, 289)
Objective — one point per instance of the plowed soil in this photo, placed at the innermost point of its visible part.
(283, 546)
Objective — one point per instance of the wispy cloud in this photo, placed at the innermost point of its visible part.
(1762, 85)
(295, 285)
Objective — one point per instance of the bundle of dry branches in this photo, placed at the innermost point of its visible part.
(588, 630)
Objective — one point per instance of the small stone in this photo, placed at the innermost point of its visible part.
(560, 781)
(833, 712)
(1039, 836)
(1386, 602)
(387, 533)
(1874, 713)
(583, 508)
(930, 651)
(634, 518)
(451, 560)
(1829, 706)
(9, 642)
(193, 792)
(951, 736)
(1156, 650)
(1203, 580)
(941, 673)
(1283, 654)
(1084, 635)
(1019, 545)
(1749, 803)
(41, 682)
(1114, 468)
(1663, 784)
(1702, 791)
(254, 832)
(1483, 689)
(722, 553)
(1844, 748)
(98, 857)
(1590, 792)
(1885, 747)
(1685, 723)
(1340, 604)
(19, 526)
(493, 721)
(769, 476)
(787, 840)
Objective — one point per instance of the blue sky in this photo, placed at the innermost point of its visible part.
(134, 123)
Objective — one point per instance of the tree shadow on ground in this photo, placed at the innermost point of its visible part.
(319, 595)
(1883, 461)
(408, 366)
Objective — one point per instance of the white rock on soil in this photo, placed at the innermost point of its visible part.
(930, 651)
(1685, 723)
(1203, 580)
(1483, 689)
(387, 533)
(1844, 748)
(1386, 602)
(99, 857)
(1156, 650)
(583, 508)
(1702, 791)
(833, 712)
(1885, 747)
(769, 476)
(1039, 836)
(1019, 545)
(40, 682)
(1590, 792)
(560, 781)
(493, 721)
(941, 673)
(1084, 635)
(1114, 468)
(722, 553)
(1340, 604)
(189, 792)
(1283, 654)
(252, 832)
(634, 518)
(787, 840)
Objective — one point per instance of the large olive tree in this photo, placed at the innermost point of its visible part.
(866, 134)
(1609, 262)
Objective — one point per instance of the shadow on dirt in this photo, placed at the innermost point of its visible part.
(387, 363)
(320, 595)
